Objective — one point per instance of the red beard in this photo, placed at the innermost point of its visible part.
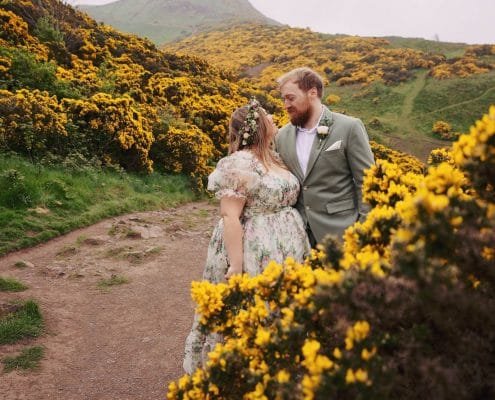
(300, 119)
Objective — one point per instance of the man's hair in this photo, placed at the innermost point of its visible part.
(305, 78)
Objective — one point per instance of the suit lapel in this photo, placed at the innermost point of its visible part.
(317, 146)
(292, 154)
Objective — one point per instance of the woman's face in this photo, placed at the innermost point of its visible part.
(272, 128)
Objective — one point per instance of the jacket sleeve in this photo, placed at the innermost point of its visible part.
(277, 141)
(360, 158)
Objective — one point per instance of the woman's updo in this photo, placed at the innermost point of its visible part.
(248, 127)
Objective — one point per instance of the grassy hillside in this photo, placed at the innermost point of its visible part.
(402, 116)
(399, 86)
(40, 202)
(164, 20)
(428, 46)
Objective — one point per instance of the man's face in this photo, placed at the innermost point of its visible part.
(296, 102)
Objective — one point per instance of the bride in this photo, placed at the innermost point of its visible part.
(258, 222)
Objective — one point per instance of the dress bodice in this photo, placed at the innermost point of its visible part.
(242, 175)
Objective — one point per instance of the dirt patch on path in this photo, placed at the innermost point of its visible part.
(121, 342)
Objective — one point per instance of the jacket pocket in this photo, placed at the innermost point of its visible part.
(340, 206)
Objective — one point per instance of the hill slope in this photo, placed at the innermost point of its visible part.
(107, 95)
(398, 86)
(166, 20)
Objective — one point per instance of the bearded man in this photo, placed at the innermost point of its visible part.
(327, 151)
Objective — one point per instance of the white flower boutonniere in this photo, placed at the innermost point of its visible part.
(322, 130)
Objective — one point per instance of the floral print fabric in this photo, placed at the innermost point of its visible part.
(273, 230)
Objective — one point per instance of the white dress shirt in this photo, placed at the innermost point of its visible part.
(304, 142)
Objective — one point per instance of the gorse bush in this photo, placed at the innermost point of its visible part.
(261, 53)
(70, 85)
(185, 149)
(33, 122)
(403, 309)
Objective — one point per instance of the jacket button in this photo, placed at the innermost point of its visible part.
(305, 188)
(307, 207)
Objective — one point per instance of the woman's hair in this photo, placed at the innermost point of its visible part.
(305, 78)
(258, 140)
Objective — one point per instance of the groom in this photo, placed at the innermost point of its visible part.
(327, 151)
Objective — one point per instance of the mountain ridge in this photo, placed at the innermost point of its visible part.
(168, 20)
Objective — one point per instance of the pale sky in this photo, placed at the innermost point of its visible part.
(467, 21)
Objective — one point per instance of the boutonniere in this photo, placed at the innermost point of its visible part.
(322, 130)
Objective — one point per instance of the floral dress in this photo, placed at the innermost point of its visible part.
(272, 230)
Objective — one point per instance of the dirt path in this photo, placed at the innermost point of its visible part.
(124, 342)
(415, 89)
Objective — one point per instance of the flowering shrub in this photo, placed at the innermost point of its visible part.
(439, 156)
(185, 149)
(117, 94)
(332, 99)
(13, 28)
(114, 129)
(405, 162)
(475, 154)
(401, 310)
(444, 130)
(262, 53)
(441, 127)
(31, 122)
(461, 67)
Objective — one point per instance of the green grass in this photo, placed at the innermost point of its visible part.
(29, 359)
(458, 101)
(409, 109)
(38, 203)
(428, 46)
(24, 321)
(11, 285)
(114, 280)
(20, 264)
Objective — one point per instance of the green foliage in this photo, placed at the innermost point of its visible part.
(28, 72)
(24, 321)
(46, 31)
(28, 359)
(11, 285)
(15, 192)
(31, 73)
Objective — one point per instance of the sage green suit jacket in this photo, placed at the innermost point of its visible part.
(330, 199)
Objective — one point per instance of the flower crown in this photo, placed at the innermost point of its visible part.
(250, 127)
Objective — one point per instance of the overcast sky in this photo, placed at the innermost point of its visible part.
(468, 21)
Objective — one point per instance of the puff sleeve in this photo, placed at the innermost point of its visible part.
(234, 176)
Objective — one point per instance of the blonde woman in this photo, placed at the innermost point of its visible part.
(258, 222)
